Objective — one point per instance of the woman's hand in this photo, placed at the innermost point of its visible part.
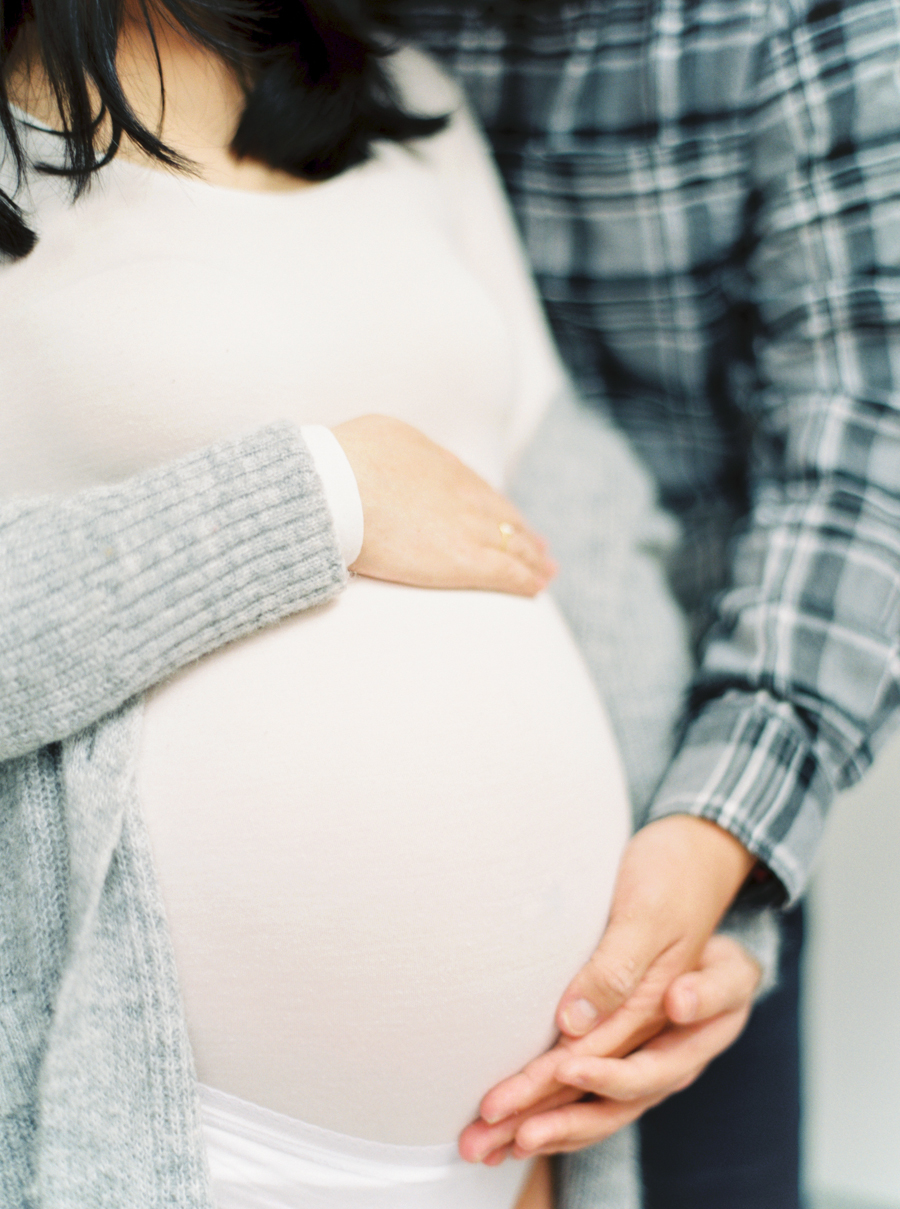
(430, 521)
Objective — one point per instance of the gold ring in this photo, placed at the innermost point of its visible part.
(506, 532)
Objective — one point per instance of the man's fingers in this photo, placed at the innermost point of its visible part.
(531, 1089)
(677, 876)
(726, 981)
(666, 1064)
(627, 1079)
(536, 1115)
(660, 924)
(608, 979)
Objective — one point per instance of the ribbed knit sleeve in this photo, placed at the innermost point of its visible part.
(106, 592)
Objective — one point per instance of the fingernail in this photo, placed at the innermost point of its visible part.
(579, 1017)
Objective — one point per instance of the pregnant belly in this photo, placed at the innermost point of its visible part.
(386, 834)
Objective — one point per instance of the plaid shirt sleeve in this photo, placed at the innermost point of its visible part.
(801, 672)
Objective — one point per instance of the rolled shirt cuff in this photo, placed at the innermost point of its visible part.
(747, 763)
(340, 487)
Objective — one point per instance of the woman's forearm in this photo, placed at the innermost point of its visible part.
(105, 593)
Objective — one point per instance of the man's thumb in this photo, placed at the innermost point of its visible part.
(605, 982)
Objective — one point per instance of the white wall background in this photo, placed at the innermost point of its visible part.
(852, 1015)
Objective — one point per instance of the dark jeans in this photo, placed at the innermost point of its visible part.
(732, 1139)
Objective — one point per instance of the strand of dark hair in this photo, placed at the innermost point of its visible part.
(317, 90)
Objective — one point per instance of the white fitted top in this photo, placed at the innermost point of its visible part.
(263, 1160)
(375, 928)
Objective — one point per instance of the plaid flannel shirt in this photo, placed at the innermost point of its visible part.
(709, 191)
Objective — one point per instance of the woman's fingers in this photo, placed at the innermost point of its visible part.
(527, 1090)
(726, 981)
(495, 1159)
(523, 569)
(480, 1140)
(576, 1126)
(430, 521)
(515, 540)
(502, 551)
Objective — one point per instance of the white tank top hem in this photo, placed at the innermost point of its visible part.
(261, 1159)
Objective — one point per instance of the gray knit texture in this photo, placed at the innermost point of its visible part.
(602, 1177)
(105, 593)
(102, 595)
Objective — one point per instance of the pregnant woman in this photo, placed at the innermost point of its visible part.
(381, 826)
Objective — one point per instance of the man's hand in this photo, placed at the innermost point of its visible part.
(705, 1011)
(678, 877)
(432, 522)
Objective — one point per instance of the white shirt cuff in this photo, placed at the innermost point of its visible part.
(339, 483)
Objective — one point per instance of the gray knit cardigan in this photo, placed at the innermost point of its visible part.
(101, 596)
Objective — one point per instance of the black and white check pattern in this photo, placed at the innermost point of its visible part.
(709, 191)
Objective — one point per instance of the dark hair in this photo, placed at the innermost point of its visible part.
(410, 17)
(317, 92)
